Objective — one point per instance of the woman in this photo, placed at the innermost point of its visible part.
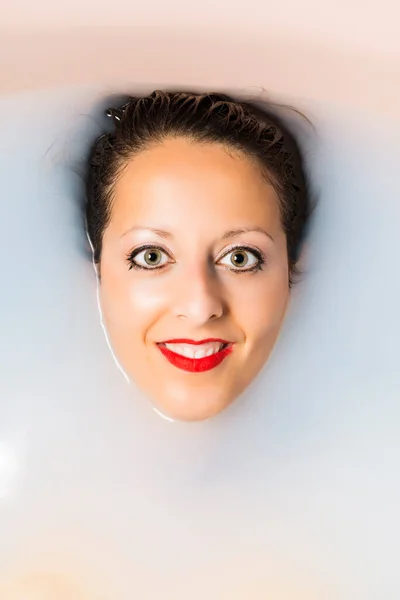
(196, 208)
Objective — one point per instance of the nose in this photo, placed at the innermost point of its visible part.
(198, 298)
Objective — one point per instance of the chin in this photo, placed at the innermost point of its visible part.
(194, 406)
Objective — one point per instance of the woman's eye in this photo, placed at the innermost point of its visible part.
(148, 258)
(238, 260)
(241, 259)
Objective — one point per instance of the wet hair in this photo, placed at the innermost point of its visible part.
(252, 128)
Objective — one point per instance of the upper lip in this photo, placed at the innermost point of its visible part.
(195, 342)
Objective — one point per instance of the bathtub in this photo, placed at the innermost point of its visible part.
(292, 492)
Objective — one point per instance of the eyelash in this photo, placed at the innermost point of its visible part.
(258, 267)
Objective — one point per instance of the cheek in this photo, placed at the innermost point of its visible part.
(128, 303)
(261, 305)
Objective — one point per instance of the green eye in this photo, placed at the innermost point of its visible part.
(148, 258)
(242, 260)
(239, 258)
(152, 257)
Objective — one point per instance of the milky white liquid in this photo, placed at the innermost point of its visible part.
(292, 493)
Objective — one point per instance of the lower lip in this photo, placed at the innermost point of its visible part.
(195, 365)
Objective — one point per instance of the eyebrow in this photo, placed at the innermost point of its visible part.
(236, 232)
(228, 234)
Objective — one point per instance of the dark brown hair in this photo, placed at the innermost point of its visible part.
(250, 127)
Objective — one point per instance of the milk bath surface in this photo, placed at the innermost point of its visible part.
(293, 492)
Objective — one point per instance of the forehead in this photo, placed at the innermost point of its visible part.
(184, 182)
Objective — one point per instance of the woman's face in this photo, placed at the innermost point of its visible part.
(194, 251)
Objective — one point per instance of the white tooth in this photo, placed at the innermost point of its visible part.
(191, 351)
(186, 351)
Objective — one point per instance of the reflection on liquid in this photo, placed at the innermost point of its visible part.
(8, 469)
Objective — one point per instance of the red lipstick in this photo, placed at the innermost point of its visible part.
(195, 365)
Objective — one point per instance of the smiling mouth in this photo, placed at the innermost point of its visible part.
(195, 357)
